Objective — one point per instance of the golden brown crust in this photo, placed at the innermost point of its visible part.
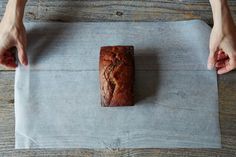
(116, 72)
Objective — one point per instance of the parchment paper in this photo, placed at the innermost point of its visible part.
(57, 99)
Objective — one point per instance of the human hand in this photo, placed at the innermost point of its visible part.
(223, 38)
(223, 49)
(12, 35)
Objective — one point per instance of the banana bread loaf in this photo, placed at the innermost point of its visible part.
(116, 72)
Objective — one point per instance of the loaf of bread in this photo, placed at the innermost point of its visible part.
(116, 72)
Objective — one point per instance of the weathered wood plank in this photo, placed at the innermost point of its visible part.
(106, 10)
(138, 10)
(227, 90)
(126, 10)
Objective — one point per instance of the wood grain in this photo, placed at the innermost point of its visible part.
(115, 10)
(112, 10)
(227, 99)
(125, 10)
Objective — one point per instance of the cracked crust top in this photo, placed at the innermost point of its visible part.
(116, 72)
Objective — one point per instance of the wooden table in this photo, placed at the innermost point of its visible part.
(106, 10)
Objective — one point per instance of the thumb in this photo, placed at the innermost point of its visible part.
(211, 59)
(22, 54)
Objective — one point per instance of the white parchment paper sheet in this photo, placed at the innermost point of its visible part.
(57, 101)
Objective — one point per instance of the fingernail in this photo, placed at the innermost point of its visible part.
(25, 62)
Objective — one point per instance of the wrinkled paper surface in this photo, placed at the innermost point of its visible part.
(57, 98)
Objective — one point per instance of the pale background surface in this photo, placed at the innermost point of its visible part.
(58, 10)
(57, 100)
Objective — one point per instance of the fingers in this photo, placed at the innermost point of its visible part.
(226, 68)
(211, 59)
(221, 61)
(225, 65)
(221, 64)
(222, 55)
(22, 54)
(10, 63)
(7, 59)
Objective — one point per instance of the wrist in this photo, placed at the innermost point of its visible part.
(14, 12)
(218, 2)
(221, 14)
